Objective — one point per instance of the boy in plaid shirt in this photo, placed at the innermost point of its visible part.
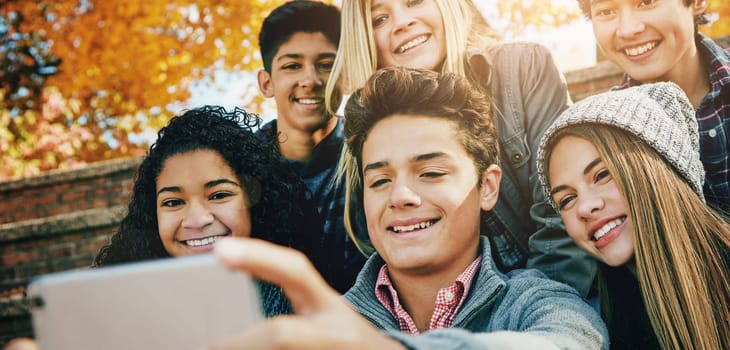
(658, 41)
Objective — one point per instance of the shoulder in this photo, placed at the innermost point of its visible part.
(516, 62)
(712, 48)
(532, 286)
(338, 134)
(518, 51)
(267, 131)
(528, 277)
(529, 292)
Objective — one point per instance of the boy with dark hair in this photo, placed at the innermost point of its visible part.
(658, 41)
(426, 150)
(298, 42)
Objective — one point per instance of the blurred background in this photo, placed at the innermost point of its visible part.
(89, 80)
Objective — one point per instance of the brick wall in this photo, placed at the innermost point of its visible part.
(54, 222)
(59, 220)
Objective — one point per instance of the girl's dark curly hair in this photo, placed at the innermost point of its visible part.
(276, 192)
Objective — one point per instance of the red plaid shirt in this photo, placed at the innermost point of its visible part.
(448, 299)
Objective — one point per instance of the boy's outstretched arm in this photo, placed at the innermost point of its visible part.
(322, 319)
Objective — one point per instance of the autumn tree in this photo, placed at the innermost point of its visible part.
(719, 13)
(123, 64)
(26, 62)
(83, 80)
(516, 16)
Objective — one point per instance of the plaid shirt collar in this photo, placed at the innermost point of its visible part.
(713, 120)
(719, 61)
(448, 299)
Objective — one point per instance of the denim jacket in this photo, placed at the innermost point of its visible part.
(520, 310)
(528, 93)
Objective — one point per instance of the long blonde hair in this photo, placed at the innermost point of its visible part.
(357, 57)
(682, 246)
(357, 60)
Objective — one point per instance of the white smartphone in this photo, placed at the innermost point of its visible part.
(177, 303)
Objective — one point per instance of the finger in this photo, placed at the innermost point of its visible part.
(283, 266)
(21, 344)
(335, 330)
(278, 333)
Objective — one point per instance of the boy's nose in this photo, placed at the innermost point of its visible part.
(402, 195)
(629, 24)
(310, 78)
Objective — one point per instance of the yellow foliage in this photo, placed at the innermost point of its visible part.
(140, 47)
(124, 59)
(120, 59)
(720, 10)
(535, 14)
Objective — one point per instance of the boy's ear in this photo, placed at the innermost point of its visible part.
(491, 178)
(699, 7)
(265, 84)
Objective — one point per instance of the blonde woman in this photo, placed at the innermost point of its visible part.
(527, 93)
(623, 169)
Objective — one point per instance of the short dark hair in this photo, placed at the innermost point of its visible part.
(276, 192)
(585, 7)
(302, 16)
(399, 90)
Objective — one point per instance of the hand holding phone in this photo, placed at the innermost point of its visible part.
(177, 303)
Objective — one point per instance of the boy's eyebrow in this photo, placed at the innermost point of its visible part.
(298, 56)
(587, 170)
(289, 55)
(428, 156)
(416, 159)
(208, 184)
(593, 2)
(373, 166)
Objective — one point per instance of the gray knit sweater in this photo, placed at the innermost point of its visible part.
(520, 310)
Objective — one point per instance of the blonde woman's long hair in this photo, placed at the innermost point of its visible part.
(357, 60)
(682, 246)
(357, 57)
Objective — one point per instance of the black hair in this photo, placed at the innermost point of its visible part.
(275, 190)
(585, 7)
(293, 17)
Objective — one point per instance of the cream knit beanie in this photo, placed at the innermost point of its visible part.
(659, 113)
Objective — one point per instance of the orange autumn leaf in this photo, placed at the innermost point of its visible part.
(124, 62)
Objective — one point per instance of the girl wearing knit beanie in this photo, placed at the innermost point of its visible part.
(623, 170)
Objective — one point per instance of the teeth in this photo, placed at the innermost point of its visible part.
(635, 51)
(309, 101)
(608, 227)
(202, 242)
(412, 43)
(422, 225)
